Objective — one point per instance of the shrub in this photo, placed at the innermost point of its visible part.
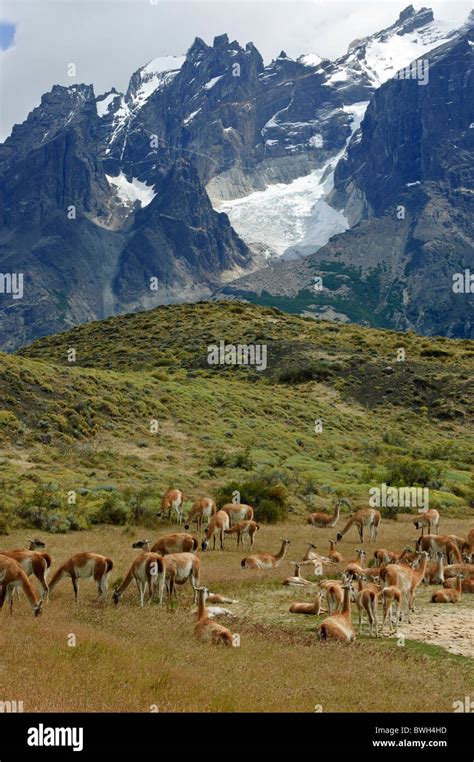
(407, 472)
(112, 511)
(302, 371)
(269, 500)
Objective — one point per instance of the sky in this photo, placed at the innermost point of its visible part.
(108, 40)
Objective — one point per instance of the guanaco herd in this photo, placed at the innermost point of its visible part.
(391, 581)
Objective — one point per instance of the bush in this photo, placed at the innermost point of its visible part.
(269, 500)
(303, 371)
(112, 511)
(407, 472)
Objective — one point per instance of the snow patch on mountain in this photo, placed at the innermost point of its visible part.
(131, 192)
(293, 220)
(156, 74)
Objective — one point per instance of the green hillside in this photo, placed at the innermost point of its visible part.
(85, 426)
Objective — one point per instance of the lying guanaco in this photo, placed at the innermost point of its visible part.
(309, 608)
(265, 560)
(448, 595)
(206, 630)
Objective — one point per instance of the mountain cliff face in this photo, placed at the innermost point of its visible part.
(212, 163)
(407, 182)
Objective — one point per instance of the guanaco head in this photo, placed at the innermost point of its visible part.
(35, 544)
(339, 536)
(38, 610)
(142, 544)
(204, 544)
(285, 541)
(117, 595)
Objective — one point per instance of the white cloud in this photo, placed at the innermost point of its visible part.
(107, 40)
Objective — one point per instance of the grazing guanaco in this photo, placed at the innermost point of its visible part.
(220, 522)
(354, 568)
(334, 554)
(32, 562)
(459, 541)
(206, 630)
(178, 569)
(467, 585)
(313, 609)
(238, 512)
(428, 520)
(201, 512)
(145, 570)
(85, 566)
(391, 598)
(366, 600)
(265, 560)
(339, 626)
(324, 520)
(244, 528)
(171, 501)
(297, 580)
(432, 543)
(448, 595)
(364, 518)
(13, 577)
(178, 542)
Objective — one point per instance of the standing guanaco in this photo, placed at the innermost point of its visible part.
(171, 501)
(364, 518)
(177, 542)
(391, 598)
(219, 524)
(145, 570)
(32, 562)
(201, 512)
(13, 577)
(85, 566)
(244, 528)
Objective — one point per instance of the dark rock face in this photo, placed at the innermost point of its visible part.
(408, 177)
(104, 203)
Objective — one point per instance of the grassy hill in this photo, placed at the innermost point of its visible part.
(77, 453)
(84, 426)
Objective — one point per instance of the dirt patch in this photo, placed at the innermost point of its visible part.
(448, 625)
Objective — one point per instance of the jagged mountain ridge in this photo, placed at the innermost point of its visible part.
(217, 119)
(407, 181)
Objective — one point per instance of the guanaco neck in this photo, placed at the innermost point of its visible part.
(202, 610)
(281, 552)
(346, 608)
